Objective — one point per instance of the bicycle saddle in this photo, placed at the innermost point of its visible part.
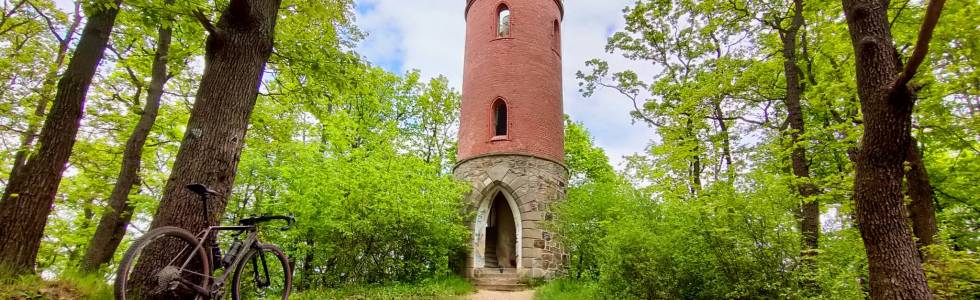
(200, 189)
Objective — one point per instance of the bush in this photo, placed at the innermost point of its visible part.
(567, 289)
(436, 288)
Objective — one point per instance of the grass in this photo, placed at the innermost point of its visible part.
(438, 288)
(75, 286)
(66, 286)
(567, 289)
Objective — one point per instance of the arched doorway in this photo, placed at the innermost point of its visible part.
(497, 230)
(500, 246)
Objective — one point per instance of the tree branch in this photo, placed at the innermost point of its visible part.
(633, 98)
(51, 26)
(933, 11)
(214, 31)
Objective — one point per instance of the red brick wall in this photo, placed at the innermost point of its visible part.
(524, 69)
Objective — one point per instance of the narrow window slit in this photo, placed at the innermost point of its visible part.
(503, 21)
(500, 118)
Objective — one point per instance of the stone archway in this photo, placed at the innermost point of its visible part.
(497, 231)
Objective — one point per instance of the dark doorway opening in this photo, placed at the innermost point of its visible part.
(500, 248)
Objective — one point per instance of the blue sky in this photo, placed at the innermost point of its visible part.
(429, 35)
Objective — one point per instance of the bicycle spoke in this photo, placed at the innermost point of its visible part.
(150, 271)
(263, 274)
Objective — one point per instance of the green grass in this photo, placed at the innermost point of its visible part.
(437, 288)
(567, 289)
(66, 286)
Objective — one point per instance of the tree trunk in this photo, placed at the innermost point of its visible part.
(308, 262)
(893, 263)
(921, 209)
(726, 143)
(238, 47)
(44, 95)
(112, 225)
(810, 209)
(29, 197)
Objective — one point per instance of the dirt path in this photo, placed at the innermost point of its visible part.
(494, 295)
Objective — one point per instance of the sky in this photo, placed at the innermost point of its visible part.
(429, 35)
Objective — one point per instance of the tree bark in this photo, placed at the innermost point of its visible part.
(237, 50)
(28, 198)
(886, 102)
(921, 210)
(112, 225)
(810, 209)
(44, 95)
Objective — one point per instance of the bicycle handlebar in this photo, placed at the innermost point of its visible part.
(290, 221)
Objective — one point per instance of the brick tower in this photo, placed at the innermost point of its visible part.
(511, 137)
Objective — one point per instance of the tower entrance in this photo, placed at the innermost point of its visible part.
(500, 249)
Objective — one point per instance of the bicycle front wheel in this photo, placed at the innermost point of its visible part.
(166, 263)
(263, 273)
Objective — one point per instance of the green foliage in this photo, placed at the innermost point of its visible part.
(712, 211)
(362, 157)
(567, 289)
(952, 274)
(434, 288)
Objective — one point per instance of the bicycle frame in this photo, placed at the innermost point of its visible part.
(217, 283)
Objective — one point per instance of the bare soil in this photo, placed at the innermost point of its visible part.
(495, 295)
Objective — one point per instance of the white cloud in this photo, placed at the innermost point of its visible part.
(429, 35)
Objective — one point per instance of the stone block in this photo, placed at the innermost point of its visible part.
(532, 233)
(533, 215)
(527, 262)
(529, 224)
(532, 253)
(498, 172)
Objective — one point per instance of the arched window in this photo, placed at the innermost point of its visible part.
(556, 37)
(503, 21)
(499, 118)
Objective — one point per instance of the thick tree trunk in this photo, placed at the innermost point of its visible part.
(893, 262)
(29, 197)
(810, 209)
(45, 95)
(921, 209)
(112, 225)
(238, 47)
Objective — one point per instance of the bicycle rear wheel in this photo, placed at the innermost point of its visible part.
(263, 273)
(143, 274)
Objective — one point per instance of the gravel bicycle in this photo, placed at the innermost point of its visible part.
(256, 270)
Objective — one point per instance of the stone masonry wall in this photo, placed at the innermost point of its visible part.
(533, 185)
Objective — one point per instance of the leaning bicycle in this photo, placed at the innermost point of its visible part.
(256, 270)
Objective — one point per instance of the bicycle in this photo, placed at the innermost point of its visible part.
(188, 275)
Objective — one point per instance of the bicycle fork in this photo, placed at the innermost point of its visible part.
(265, 270)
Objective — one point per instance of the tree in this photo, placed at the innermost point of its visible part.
(887, 100)
(112, 225)
(237, 49)
(50, 78)
(28, 198)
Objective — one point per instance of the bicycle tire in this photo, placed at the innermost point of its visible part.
(284, 286)
(127, 263)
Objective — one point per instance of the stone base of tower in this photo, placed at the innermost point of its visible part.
(509, 207)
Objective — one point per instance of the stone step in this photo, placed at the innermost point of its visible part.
(496, 270)
(510, 287)
(496, 275)
(494, 281)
